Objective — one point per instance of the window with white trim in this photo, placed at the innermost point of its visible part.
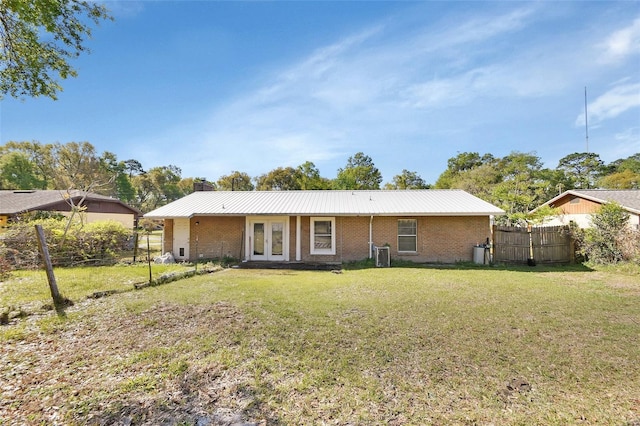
(407, 235)
(323, 235)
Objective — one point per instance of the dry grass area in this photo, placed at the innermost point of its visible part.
(373, 346)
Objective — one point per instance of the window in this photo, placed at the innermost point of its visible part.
(323, 236)
(408, 235)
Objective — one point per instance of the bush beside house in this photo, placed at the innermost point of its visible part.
(96, 243)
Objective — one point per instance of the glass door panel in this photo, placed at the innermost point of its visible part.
(277, 235)
(258, 239)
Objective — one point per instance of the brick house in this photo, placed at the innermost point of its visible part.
(325, 226)
(96, 207)
(577, 205)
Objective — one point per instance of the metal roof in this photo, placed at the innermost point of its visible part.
(627, 198)
(20, 201)
(427, 202)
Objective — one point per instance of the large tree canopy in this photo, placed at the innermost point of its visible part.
(280, 179)
(407, 180)
(359, 173)
(236, 181)
(37, 40)
(583, 167)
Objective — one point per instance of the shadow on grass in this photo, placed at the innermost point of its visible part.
(186, 406)
(60, 306)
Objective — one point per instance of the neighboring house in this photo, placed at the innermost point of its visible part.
(98, 207)
(577, 205)
(326, 226)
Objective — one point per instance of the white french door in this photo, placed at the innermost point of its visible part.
(268, 239)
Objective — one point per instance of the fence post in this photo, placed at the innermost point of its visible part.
(44, 251)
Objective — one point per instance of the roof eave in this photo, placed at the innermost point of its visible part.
(363, 214)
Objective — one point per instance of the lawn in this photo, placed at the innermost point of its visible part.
(369, 346)
(29, 290)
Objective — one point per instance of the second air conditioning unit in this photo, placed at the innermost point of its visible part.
(383, 257)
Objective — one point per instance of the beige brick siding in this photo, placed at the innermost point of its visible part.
(218, 237)
(167, 236)
(439, 239)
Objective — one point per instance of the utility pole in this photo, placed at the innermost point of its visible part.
(586, 123)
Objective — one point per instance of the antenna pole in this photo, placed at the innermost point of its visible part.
(586, 123)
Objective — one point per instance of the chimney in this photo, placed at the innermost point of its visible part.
(202, 185)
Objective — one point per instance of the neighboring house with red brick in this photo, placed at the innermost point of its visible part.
(96, 207)
(577, 205)
(326, 226)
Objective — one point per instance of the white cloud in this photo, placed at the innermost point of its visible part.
(445, 92)
(611, 104)
(622, 145)
(622, 43)
(373, 87)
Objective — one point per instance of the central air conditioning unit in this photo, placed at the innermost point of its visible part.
(383, 257)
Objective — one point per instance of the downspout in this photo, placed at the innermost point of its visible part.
(298, 239)
(371, 237)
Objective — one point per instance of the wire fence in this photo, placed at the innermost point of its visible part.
(21, 251)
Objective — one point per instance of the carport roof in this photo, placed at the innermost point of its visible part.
(428, 202)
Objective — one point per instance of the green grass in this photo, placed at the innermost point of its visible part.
(368, 346)
(30, 289)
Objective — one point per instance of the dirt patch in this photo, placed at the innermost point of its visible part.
(101, 371)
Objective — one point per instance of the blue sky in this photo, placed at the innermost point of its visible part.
(213, 87)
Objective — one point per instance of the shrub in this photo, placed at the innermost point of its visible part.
(93, 243)
(611, 239)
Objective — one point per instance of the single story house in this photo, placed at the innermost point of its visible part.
(97, 207)
(326, 226)
(577, 205)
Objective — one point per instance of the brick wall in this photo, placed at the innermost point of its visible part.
(439, 239)
(167, 237)
(352, 240)
(218, 237)
(451, 239)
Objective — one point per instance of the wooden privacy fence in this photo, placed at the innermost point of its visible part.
(544, 244)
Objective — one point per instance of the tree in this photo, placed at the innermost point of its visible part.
(17, 172)
(133, 167)
(520, 188)
(157, 187)
(280, 179)
(582, 168)
(611, 239)
(38, 38)
(460, 164)
(77, 166)
(622, 174)
(236, 181)
(309, 177)
(119, 183)
(407, 180)
(625, 179)
(479, 181)
(165, 187)
(359, 173)
(40, 156)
